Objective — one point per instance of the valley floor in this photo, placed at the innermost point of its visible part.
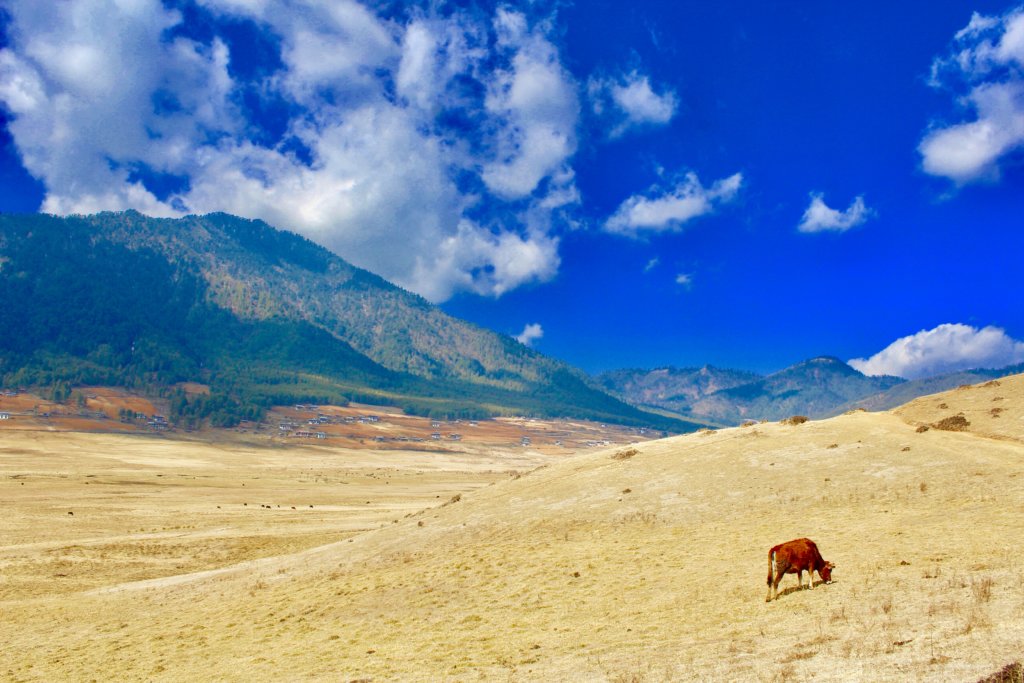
(632, 563)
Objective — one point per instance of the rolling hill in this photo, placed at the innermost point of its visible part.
(638, 564)
(261, 315)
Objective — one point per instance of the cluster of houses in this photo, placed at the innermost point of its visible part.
(5, 416)
(290, 428)
(305, 434)
(158, 423)
(382, 439)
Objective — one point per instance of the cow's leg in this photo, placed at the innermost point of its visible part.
(773, 587)
(810, 578)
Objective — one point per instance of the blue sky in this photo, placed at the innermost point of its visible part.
(621, 184)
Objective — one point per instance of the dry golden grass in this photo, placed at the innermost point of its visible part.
(557, 575)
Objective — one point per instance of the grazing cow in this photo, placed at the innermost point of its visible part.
(795, 557)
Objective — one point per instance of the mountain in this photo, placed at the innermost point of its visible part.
(815, 387)
(819, 387)
(261, 315)
(674, 389)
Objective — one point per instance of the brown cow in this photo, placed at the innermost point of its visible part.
(795, 557)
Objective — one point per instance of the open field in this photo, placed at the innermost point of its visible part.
(84, 510)
(642, 563)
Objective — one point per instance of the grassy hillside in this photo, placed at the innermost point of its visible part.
(638, 564)
(262, 316)
(908, 391)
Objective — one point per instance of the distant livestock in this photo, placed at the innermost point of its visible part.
(795, 557)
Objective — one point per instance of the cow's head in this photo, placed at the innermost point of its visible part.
(826, 572)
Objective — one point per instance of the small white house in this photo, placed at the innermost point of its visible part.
(5, 416)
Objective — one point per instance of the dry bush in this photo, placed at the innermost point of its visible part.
(1011, 673)
(922, 429)
(794, 420)
(982, 589)
(886, 605)
(797, 654)
(953, 423)
(993, 383)
(832, 445)
(624, 454)
(855, 411)
(748, 423)
(942, 406)
(785, 673)
(642, 516)
(975, 620)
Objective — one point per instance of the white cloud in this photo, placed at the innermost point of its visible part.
(985, 69)
(632, 102)
(101, 97)
(819, 217)
(534, 103)
(652, 264)
(664, 211)
(946, 348)
(684, 279)
(531, 333)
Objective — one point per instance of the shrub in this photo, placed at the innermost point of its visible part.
(953, 423)
(795, 420)
(1011, 673)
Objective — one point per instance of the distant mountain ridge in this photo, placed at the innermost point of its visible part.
(818, 387)
(263, 315)
(672, 388)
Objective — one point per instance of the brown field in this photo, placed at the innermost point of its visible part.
(446, 564)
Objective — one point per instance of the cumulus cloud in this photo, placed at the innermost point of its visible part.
(668, 210)
(117, 105)
(531, 333)
(985, 69)
(684, 280)
(631, 102)
(534, 104)
(947, 348)
(819, 217)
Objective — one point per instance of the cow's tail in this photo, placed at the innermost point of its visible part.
(772, 567)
